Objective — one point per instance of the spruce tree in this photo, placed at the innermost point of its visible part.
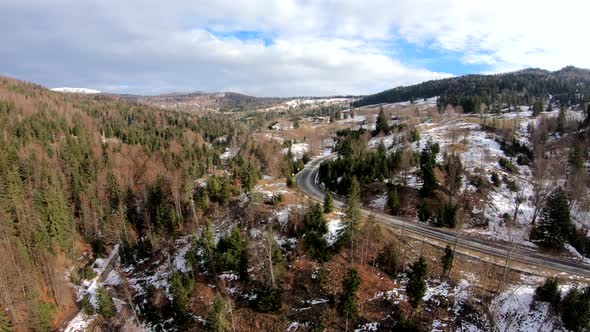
(106, 307)
(537, 108)
(447, 260)
(314, 229)
(561, 120)
(114, 192)
(416, 284)
(352, 215)
(181, 286)
(203, 252)
(393, 201)
(350, 284)
(216, 321)
(577, 157)
(575, 309)
(381, 125)
(555, 226)
(388, 260)
(427, 165)
(328, 202)
(549, 291)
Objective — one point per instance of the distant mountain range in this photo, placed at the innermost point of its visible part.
(567, 85)
(206, 101)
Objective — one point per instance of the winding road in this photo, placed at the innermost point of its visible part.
(513, 256)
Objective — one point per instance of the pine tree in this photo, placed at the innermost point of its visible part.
(447, 260)
(393, 201)
(314, 229)
(577, 157)
(203, 251)
(555, 226)
(453, 169)
(416, 284)
(114, 191)
(381, 125)
(537, 108)
(575, 309)
(207, 242)
(561, 120)
(388, 260)
(181, 286)
(5, 324)
(427, 165)
(328, 202)
(350, 284)
(352, 215)
(216, 321)
(106, 307)
(549, 291)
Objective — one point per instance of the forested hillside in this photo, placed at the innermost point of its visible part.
(569, 85)
(79, 174)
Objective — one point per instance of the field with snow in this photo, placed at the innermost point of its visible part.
(76, 90)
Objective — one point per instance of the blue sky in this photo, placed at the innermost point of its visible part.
(282, 48)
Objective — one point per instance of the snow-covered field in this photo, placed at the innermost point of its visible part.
(515, 310)
(308, 103)
(442, 294)
(480, 152)
(76, 90)
(297, 149)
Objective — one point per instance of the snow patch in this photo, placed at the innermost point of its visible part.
(334, 226)
(76, 90)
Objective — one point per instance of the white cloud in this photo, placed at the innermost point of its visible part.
(319, 47)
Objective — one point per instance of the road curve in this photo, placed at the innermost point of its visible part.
(521, 258)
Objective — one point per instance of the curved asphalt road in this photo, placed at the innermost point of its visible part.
(521, 258)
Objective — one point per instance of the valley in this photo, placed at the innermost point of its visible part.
(290, 215)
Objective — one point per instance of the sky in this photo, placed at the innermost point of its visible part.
(283, 47)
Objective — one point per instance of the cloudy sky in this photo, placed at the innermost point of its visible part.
(283, 47)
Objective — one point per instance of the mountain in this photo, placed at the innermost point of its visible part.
(76, 90)
(204, 102)
(567, 85)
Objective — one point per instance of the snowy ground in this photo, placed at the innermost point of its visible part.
(334, 225)
(228, 154)
(379, 202)
(386, 140)
(440, 294)
(89, 288)
(298, 150)
(480, 153)
(271, 190)
(515, 310)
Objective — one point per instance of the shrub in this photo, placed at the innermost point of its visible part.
(507, 165)
(106, 307)
(511, 185)
(549, 291)
(387, 260)
(268, 299)
(495, 179)
(87, 307)
(43, 315)
(575, 309)
(87, 273)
